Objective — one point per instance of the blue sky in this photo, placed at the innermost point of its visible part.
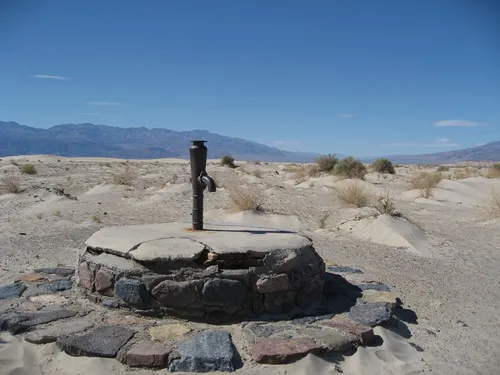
(358, 77)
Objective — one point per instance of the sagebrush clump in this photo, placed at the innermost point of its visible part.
(28, 169)
(426, 182)
(227, 161)
(350, 168)
(383, 165)
(326, 163)
(245, 199)
(126, 176)
(11, 184)
(353, 193)
(494, 171)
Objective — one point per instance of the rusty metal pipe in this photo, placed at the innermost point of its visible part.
(199, 180)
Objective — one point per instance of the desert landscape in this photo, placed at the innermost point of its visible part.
(431, 233)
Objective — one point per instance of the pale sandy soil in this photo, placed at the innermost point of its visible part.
(442, 256)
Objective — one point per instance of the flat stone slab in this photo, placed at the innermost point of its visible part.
(12, 290)
(206, 352)
(374, 286)
(51, 334)
(147, 354)
(362, 333)
(370, 313)
(59, 271)
(167, 249)
(104, 341)
(344, 269)
(333, 342)
(20, 322)
(127, 240)
(280, 351)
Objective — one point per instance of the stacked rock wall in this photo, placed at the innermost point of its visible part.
(228, 286)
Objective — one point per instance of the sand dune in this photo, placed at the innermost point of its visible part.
(391, 231)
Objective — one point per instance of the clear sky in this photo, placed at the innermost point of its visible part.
(360, 77)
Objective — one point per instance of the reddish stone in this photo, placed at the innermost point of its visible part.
(86, 276)
(148, 354)
(363, 333)
(278, 351)
(31, 277)
(271, 284)
(104, 282)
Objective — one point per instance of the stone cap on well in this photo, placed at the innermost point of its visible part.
(177, 240)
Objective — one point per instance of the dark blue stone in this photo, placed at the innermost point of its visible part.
(132, 292)
(103, 341)
(371, 313)
(12, 290)
(57, 286)
(344, 269)
(208, 351)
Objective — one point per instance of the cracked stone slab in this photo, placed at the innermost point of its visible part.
(103, 341)
(167, 249)
(114, 262)
(206, 352)
(20, 322)
(52, 333)
(123, 240)
(12, 290)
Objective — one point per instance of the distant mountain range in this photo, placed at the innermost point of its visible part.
(487, 152)
(131, 143)
(143, 143)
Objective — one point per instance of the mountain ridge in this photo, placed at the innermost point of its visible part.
(90, 140)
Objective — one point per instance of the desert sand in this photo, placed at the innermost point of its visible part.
(440, 254)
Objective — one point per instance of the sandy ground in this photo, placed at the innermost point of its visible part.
(442, 255)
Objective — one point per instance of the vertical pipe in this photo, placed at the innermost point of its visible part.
(198, 158)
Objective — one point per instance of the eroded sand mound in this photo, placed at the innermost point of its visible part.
(389, 230)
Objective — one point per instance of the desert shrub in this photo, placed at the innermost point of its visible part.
(353, 192)
(313, 170)
(466, 173)
(383, 165)
(494, 171)
(245, 199)
(385, 203)
(443, 168)
(326, 163)
(426, 182)
(257, 173)
(126, 176)
(227, 161)
(96, 219)
(350, 168)
(11, 184)
(28, 169)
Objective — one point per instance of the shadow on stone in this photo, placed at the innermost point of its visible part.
(339, 295)
(256, 231)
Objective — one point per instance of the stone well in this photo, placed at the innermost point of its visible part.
(220, 273)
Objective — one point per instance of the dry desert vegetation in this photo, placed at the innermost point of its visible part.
(431, 233)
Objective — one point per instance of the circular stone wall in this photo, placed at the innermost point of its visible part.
(220, 273)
